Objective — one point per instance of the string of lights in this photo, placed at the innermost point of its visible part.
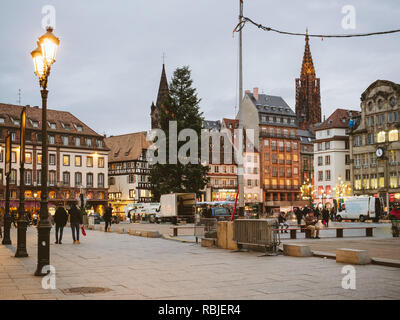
(244, 20)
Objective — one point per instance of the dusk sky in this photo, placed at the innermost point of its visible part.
(110, 58)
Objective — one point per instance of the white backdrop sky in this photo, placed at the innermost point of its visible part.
(109, 62)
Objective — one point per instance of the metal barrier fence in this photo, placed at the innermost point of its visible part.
(205, 227)
(261, 232)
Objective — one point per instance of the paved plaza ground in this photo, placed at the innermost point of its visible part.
(154, 268)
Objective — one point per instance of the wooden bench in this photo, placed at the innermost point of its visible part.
(339, 231)
(292, 232)
(175, 229)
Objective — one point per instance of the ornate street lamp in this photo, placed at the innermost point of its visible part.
(306, 191)
(43, 58)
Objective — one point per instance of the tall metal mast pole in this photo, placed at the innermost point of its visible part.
(240, 164)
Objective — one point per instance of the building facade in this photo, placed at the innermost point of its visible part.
(332, 156)
(308, 98)
(251, 165)
(222, 176)
(77, 159)
(374, 143)
(128, 170)
(278, 142)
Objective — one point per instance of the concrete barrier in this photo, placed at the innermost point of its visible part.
(121, 230)
(208, 242)
(352, 256)
(222, 230)
(297, 250)
(230, 244)
(153, 234)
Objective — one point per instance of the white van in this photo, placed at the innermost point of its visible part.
(360, 208)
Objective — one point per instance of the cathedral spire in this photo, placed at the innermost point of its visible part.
(308, 99)
(163, 88)
(308, 65)
(162, 97)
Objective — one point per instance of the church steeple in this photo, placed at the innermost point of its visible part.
(308, 99)
(162, 96)
(308, 65)
(163, 88)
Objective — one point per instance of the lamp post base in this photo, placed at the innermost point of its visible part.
(7, 227)
(21, 242)
(43, 247)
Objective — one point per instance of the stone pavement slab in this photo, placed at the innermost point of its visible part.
(154, 268)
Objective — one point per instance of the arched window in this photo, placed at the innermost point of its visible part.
(381, 137)
(394, 135)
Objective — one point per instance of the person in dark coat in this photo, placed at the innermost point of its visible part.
(108, 217)
(325, 216)
(75, 219)
(299, 215)
(60, 219)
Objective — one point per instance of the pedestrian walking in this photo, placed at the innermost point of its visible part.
(14, 219)
(325, 216)
(333, 214)
(129, 217)
(75, 219)
(108, 217)
(282, 221)
(60, 219)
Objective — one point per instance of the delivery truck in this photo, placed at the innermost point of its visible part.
(360, 208)
(176, 207)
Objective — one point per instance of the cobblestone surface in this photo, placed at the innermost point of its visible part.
(146, 268)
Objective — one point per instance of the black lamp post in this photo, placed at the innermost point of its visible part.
(22, 224)
(7, 217)
(43, 57)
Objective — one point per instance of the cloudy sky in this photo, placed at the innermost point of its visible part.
(109, 62)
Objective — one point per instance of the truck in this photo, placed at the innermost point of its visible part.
(143, 211)
(360, 208)
(177, 206)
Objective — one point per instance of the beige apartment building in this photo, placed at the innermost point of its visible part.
(375, 145)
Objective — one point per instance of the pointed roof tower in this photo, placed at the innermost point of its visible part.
(307, 67)
(308, 98)
(163, 88)
(162, 96)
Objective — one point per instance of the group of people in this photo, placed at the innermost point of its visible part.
(310, 217)
(75, 220)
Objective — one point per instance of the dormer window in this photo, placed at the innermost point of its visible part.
(66, 126)
(34, 123)
(78, 127)
(52, 125)
(16, 122)
(99, 143)
(2, 120)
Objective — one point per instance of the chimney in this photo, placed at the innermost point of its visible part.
(324, 118)
(255, 93)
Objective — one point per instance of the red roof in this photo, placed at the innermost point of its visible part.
(338, 119)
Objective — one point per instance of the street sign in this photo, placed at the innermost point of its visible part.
(22, 144)
(8, 155)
